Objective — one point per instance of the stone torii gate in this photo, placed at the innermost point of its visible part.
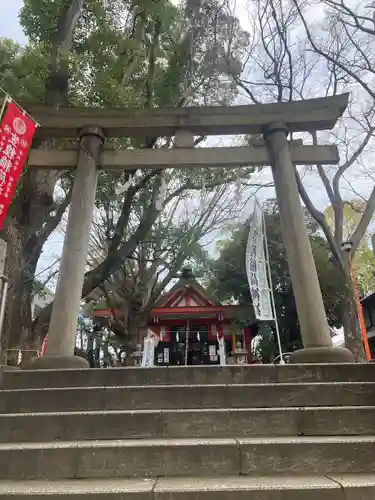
(274, 121)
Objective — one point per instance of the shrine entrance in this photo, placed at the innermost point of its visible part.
(188, 324)
(187, 347)
(274, 122)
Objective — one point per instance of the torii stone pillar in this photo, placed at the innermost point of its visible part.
(310, 308)
(63, 324)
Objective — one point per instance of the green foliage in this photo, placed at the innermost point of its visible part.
(228, 280)
(364, 266)
(138, 53)
(22, 71)
(142, 54)
(97, 344)
(364, 259)
(265, 345)
(114, 42)
(126, 54)
(22, 75)
(352, 214)
(39, 18)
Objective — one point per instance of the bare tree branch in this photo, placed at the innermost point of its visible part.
(320, 219)
(330, 57)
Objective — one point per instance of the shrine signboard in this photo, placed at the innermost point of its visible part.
(16, 134)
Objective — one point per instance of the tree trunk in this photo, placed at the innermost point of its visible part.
(30, 225)
(18, 319)
(23, 232)
(352, 332)
(13, 270)
(20, 269)
(20, 325)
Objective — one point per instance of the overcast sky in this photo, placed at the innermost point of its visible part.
(9, 25)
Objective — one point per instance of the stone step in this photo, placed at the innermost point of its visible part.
(184, 396)
(318, 421)
(347, 487)
(188, 457)
(253, 374)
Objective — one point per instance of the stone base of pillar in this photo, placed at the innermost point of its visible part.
(322, 355)
(56, 362)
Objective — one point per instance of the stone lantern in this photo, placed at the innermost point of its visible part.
(240, 354)
(137, 355)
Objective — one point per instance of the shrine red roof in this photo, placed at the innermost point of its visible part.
(187, 298)
(189, 287)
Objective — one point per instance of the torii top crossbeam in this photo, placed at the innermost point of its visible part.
(299, 116)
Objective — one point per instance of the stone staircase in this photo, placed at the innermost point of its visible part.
(294, 432)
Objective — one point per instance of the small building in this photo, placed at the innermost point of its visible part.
(188, 323)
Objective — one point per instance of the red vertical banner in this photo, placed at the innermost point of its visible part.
(44, 346)
(16, 134)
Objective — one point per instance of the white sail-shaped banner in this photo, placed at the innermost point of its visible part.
(222, 356)
(257, 266)
(148, 352)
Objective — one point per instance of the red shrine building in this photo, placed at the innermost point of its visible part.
(187, 324)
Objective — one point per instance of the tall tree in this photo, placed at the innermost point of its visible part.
(289, 58)
(364, 259)
(35, 212)
(228, 279)
(179, 236)
(111, 54)
(347, 49)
